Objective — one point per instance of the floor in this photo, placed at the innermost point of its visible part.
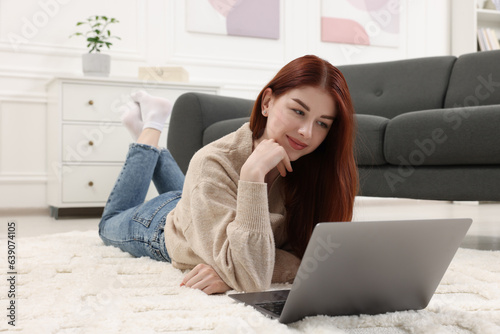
(484, 233)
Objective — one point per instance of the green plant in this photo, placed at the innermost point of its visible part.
(99, 33)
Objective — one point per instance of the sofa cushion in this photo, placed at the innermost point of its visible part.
(222, 128)
(450, 183)
(456, 136)
(389, 89)
(369, 147)
(475, 80)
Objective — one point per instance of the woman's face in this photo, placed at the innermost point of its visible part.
(298, 120)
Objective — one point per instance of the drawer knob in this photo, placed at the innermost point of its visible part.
(91, 102)
(91, 143)
(91, 184)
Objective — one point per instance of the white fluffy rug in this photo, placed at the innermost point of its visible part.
(72, 283)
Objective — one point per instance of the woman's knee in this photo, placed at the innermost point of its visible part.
(102, 225)
(108, 228)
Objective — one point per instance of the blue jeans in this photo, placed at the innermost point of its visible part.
(129, 223)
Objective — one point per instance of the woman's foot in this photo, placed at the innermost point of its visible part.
(132, 119)
(154, 110)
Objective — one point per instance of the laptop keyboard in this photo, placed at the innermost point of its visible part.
(273, 307)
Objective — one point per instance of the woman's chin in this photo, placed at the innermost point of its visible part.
(294, 156)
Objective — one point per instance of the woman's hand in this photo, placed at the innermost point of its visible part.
(266, 156)
(206, 279)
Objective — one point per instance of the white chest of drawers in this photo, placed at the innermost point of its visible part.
(86, 142)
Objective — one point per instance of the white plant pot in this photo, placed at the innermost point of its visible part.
(96, 64)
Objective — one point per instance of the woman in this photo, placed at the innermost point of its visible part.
(249, 200)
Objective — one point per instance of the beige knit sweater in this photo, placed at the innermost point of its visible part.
(232, 225)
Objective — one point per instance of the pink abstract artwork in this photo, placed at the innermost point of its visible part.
(361, 22)
(343, 31)
(251, 18)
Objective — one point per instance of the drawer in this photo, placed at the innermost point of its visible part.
(92, 184)
(84, 102)
(100, 102)
(99, 143)
(88, 183)
(95, 143)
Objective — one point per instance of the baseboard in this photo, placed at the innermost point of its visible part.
(62, 213)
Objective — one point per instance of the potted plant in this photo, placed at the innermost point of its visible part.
(94, 62)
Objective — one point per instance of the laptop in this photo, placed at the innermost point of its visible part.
(366, 268)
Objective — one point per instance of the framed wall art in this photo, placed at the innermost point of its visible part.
(250, 18)
(362, 22)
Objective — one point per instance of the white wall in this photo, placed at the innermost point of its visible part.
(34, 47)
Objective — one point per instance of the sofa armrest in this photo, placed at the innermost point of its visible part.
(192, 114)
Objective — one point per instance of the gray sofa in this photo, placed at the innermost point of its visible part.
(428, 128)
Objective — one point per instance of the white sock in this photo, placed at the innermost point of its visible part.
(131, 118)
(154, 110)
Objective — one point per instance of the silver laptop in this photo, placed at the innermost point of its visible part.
(366, 268)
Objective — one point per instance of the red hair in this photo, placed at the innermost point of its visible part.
(324, 183)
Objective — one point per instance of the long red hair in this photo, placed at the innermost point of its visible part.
(324, 183)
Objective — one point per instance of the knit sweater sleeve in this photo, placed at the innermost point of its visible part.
(232, 233)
